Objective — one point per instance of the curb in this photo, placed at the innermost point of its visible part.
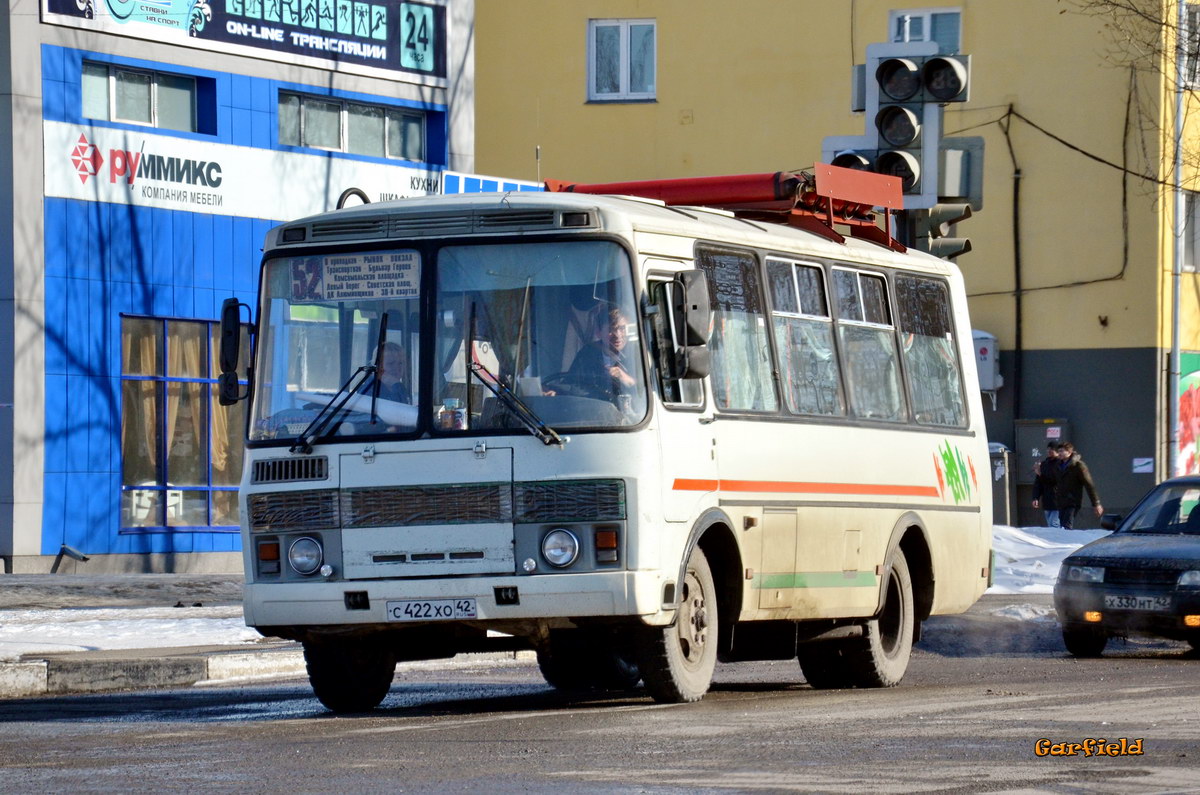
(140, 669)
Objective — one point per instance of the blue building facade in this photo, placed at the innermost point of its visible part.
(163, 164)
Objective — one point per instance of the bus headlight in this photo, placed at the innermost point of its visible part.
(560, 548)
(305, 555)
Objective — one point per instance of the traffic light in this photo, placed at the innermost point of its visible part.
(933, 228)
(903, 88)
(908, 115)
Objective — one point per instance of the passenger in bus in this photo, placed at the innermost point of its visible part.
(391, 375)
(602, 370)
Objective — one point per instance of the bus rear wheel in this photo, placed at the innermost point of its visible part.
(677, 662)
(349, 675)
(824, 665)
(880, 657)
(579, 660)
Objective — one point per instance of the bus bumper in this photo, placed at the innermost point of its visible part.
(496, 599)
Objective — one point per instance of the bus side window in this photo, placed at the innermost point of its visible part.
(741, 377)
(665, 334)
(804, 338)
(868, 346)
(930, 356)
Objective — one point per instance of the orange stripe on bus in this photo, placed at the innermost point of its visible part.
(793, 487)
(686, 484)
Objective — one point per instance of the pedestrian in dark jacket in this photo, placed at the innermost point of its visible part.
(1074, 480)
(1045, 480)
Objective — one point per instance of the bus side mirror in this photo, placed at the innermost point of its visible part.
(230, 349)
(231, 334)
(228, 392)
(693, 313)
(696, 311)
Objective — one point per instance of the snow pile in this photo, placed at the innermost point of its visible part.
(91, 629)
(1027, 558)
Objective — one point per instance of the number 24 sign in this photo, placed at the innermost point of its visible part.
(418, 37)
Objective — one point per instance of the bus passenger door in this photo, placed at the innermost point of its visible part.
(687, 447)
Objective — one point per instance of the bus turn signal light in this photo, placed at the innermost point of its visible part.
(606, 546)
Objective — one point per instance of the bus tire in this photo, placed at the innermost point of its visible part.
(824, 665)
(880, 658)
(581, 661)
(349, 675)
(1084, 641)
(677, 662)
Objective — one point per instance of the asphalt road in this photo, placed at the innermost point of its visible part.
(968, 717)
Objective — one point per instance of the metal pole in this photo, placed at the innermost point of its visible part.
(1177, 254)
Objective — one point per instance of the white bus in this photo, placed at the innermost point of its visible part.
(636, 438)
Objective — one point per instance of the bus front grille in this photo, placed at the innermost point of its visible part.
(290, 470)
(570, 501)
(290, 511)
(403, 506)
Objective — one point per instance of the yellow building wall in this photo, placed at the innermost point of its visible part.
(1189, 282)
(754, 86)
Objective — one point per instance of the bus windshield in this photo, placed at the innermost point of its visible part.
(552, 323)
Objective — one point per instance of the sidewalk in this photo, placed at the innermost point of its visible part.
(78, 633)
(69, 633)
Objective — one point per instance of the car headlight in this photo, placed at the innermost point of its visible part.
(1190, 578)
(304, 555)
(1085, 573)
(560, 548)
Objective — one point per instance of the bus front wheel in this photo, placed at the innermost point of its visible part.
(677, 662)
(349, 675)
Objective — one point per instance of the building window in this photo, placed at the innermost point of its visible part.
(134, 96)
(1191, 232)
(353, 127)
(1190, 38)
(621, 59)
(928, 24)
(181, 451)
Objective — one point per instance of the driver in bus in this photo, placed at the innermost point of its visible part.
(392, 373)
(602, 370)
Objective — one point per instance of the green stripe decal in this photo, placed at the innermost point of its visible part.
(816, 579)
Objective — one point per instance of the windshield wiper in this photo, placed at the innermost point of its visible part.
(316, 428)
(525, 415)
